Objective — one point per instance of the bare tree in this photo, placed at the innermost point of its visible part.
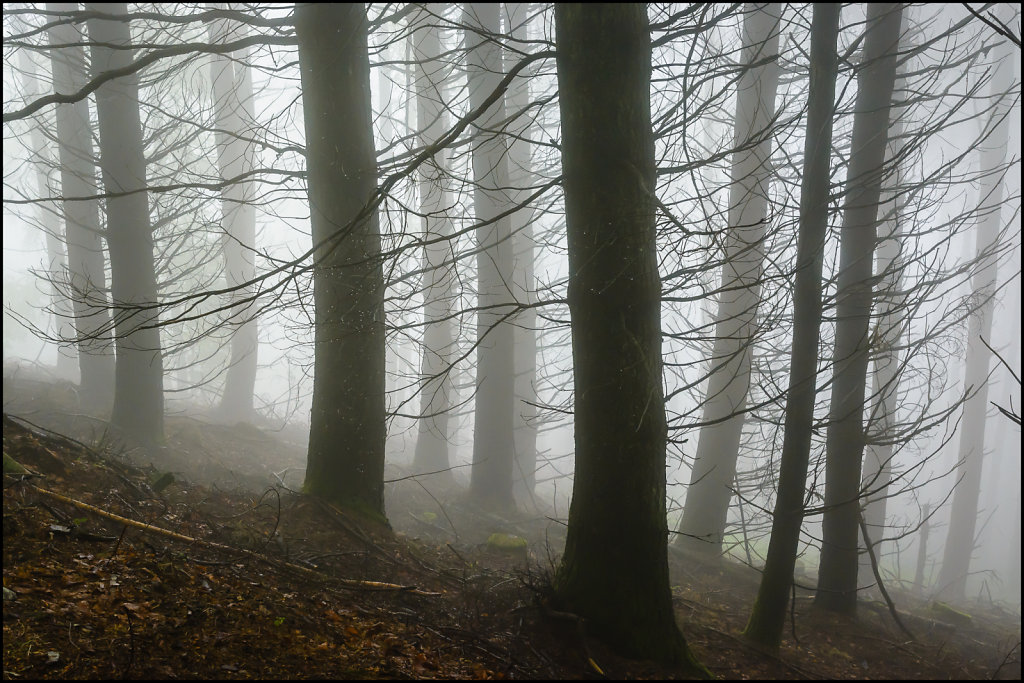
(493, 438)
(604, 67)
(837, 573)
(138, 389)
(703, 523)
(347, 425)
(769, 611)
(86, 281)
(233, 106)
(961, 541)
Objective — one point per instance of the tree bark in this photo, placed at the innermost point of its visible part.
(138, 384)
(347, 424)
(431, 454)
(705, 513)
(493, 438)
(880, 428)
(233, 107)
(525, 322)
(960, 540)
(769, 611)
(844, 452)
(617, 535)
(42, 162)
(83, 234)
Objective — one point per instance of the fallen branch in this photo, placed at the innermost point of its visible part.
(347, 583)
(878, 578)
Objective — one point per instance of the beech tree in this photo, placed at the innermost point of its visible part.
(769, 610)
(960, 540)
(703, 523)
(233, 106)
(347, 425)
(436, 390)
(86, 284)
(525, 323)
(493, 436)
(838, 569)
(618, 501)
(138, 391)
(49, 220)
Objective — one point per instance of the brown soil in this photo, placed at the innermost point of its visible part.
(275, 584)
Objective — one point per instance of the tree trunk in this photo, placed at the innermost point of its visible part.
(233, 107)
(837, 573)
(49, 221)
(347, 424)
(769, 611)
(525, 324)
(960, 541)
(138, 384)
(431, 454)
(493, 438)
(617, 535)
(83, 234)
(705, 513)
(880, 429)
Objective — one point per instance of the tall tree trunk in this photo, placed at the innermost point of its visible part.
(525, 324)
(837, 572)
(49, 220)
(493, 438)
(890, 301)
(397, 381)
(769, 611)
(86, 275)
(707, 499)
(347, 425)
(431, 454)
(233, 107)
(138, 385)
(960, 541)
(617, 533)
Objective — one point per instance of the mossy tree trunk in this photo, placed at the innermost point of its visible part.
(614, 572)
(347, 424)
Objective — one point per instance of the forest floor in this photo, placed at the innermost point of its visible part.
(114, 568)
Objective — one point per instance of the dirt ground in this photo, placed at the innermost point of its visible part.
(194, 562)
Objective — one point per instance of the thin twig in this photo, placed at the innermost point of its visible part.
(878, 578)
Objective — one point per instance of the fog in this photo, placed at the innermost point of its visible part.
(949, 107)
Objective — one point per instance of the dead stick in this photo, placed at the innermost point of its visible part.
(878, 577)
(351, 583)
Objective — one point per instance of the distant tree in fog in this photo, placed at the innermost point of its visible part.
(231, 80)
(960, 540)
(493, 437)
(702, 526)
(138, 389)
(436, 391)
